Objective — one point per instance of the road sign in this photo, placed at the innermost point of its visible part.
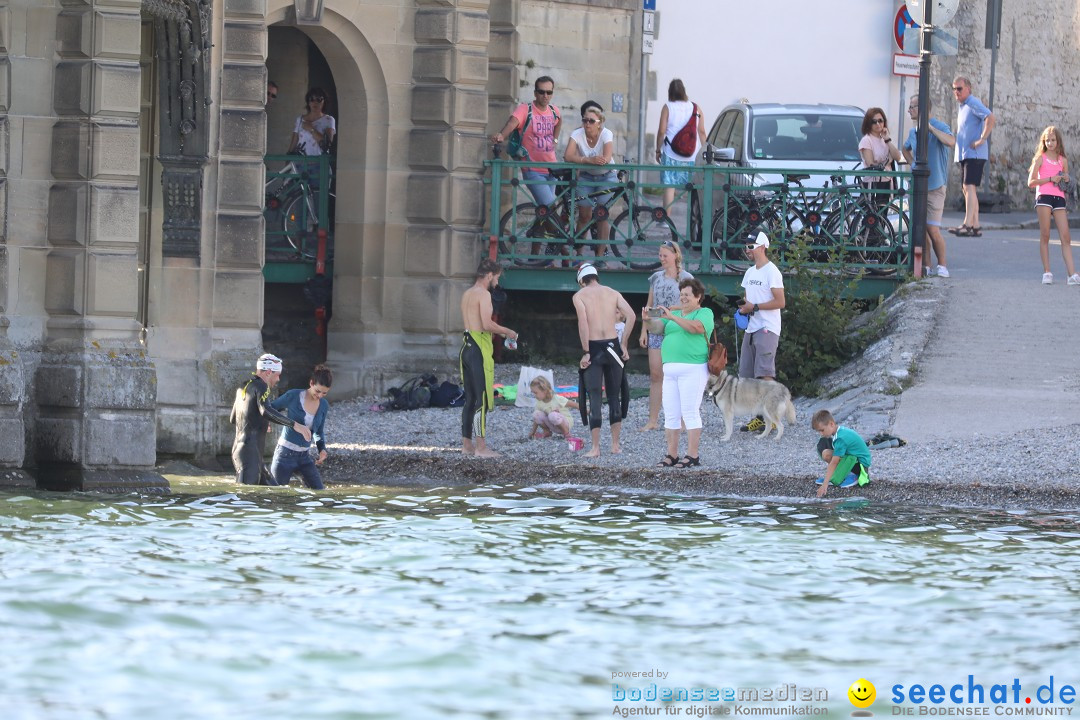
(649, 4)
(902, 22)
(905, 65)
(647, 44)
(648, 22)
(944, 42)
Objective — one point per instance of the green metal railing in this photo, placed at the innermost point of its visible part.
(299, 204)
(837, 212)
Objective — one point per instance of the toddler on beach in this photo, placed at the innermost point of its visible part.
(552, 411)
(845, 452)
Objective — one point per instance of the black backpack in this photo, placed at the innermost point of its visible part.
(447, 395)
(413, 394)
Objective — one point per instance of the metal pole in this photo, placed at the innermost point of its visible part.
(641, 100)
(990, 104)
(921, 170)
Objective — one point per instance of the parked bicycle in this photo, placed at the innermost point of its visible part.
(292, 204)
(527, 228)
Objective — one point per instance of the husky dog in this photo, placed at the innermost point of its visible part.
(737, 396)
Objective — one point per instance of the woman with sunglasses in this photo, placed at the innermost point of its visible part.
(314, 131)
(591, 145)
(878, 150)
(663, 293)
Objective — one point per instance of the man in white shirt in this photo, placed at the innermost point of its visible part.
(764, 287)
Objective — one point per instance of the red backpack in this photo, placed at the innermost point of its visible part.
(685, 141)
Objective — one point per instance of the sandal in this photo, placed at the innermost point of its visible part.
(687, 461)
(668, 461)
(958, 230)
(968, 232)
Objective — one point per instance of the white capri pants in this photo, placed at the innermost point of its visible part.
(684, 388)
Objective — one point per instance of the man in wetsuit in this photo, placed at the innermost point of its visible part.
(477, 363)
(252, 415)
(605, 353)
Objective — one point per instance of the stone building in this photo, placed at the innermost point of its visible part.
(132, 143)
(1036, 83)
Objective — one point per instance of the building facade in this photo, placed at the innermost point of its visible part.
(132, 144)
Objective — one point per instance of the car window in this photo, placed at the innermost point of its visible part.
(806, 137)
(735, 140)
(722, 129)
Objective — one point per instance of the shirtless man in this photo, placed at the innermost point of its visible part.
(477, 363)
(605, 353)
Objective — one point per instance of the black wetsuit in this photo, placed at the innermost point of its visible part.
(605, 371)
(252, 415)
(477, 378)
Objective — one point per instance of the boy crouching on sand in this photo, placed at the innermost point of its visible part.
(844, 450)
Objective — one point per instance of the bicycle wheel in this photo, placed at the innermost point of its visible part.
(876, 233)
(300, 221)
(517, 229)
(636, 237)
(731, 227)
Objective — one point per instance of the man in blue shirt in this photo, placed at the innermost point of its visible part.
(937, 158)
(974, 121)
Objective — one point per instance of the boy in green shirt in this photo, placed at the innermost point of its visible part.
(844, 450)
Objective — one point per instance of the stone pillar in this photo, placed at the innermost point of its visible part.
(95, 387)
(206, 301)
(445, 186)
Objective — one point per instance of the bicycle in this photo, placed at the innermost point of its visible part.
(293, 203)
(744, 211)
(874, 224)
(525, 227)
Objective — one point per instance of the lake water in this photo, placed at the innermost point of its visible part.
(509, 602)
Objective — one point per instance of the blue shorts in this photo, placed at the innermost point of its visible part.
(541, 185)
(675, 177)
(590, 184)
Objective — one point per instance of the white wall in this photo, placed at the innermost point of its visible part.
(791, 51)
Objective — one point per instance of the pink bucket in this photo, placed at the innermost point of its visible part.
(575, 444)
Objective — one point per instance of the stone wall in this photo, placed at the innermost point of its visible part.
(1036, 83)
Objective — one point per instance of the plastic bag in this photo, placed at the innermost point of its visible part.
(525, 397)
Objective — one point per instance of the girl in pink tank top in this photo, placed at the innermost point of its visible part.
(1049, 169)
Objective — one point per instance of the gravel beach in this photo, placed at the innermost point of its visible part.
(1021, 470)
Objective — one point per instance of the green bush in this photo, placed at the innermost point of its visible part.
(820, 306)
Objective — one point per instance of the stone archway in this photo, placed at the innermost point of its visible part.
(364, 174)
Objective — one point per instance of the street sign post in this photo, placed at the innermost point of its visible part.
(905, 65)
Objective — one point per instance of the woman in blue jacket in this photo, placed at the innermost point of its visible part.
(307, 407)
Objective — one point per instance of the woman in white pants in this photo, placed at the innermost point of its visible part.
(685, 354)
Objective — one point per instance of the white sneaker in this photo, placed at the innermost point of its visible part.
(942, 271)
(1048, 278)
(928, 271)
(1074, 279)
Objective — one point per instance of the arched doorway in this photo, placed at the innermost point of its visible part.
(297, 304)
(362, 239)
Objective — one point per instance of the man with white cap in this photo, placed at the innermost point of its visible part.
(764, 286)
(604, 352)
(252, 415)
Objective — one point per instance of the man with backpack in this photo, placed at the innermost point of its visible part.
(533, 134)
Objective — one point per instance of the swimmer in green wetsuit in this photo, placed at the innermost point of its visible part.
(475, 357)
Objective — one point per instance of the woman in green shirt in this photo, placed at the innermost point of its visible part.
(685, 354)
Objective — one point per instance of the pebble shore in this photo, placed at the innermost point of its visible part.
(1022, 470)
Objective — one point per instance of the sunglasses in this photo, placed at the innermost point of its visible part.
(669, 244)
(957, 89)
(271, 95)
(751, 247)
(878, 121)
(589, 121)
(545, 92)
(317, 99)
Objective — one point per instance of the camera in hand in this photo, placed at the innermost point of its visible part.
(655, 312)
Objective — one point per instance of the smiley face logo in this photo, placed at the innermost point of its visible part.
(862, 693)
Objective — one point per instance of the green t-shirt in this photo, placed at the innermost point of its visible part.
(846, 442)
(683, 347)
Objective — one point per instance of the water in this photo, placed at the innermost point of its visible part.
(507, 602)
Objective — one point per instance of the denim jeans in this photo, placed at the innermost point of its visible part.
(541, 185)
(286, 462)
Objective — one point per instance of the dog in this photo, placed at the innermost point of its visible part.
(738, 396)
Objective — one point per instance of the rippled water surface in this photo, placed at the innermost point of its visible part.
(505, 601)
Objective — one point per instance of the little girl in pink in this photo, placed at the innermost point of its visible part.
(552, 411)
(1050, 168)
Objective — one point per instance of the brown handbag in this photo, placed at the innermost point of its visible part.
(717, 355)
